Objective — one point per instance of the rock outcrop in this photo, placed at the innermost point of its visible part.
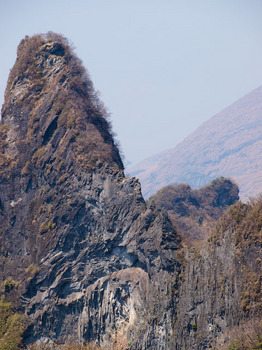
(221, 286)
(83, 257)
(90, 256)
(195, 212)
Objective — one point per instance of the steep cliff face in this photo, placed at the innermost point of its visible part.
(83, 257)
(221, 286)
(90, 257)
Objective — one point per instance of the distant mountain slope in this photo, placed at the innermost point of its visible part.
(228, 144)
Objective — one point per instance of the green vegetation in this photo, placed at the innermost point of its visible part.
(46, 226)
(32, 270)
(11, 326)
(193, 327)
(9, 284)
(51, 225)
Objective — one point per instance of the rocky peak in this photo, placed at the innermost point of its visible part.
(51, 109)
(83, 257)
(74, 231)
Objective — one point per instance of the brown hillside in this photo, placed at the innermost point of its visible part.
(195, 212)
(229, 144)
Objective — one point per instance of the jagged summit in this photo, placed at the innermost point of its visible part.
(55, 138)
(83, 258)
(51, 110)
(75, 234)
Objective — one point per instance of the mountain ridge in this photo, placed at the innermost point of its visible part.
(72, 225)
(228, 144)
(84, 259)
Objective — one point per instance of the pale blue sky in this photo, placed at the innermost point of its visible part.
(162, 66)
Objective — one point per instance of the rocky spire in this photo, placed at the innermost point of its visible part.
(73, 228)
(82, 256)
(51, 110)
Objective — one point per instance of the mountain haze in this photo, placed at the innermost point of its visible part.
(229, 144)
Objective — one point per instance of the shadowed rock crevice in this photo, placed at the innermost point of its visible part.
(50, 131)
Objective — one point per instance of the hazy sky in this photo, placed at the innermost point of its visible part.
(162, 66)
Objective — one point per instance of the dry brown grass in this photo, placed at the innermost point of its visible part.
(246, 221)
(246, 336)
(195, 212)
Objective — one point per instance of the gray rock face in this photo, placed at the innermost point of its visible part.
(91, 258)
(97, 282)
(94, 262)
(221, 286)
